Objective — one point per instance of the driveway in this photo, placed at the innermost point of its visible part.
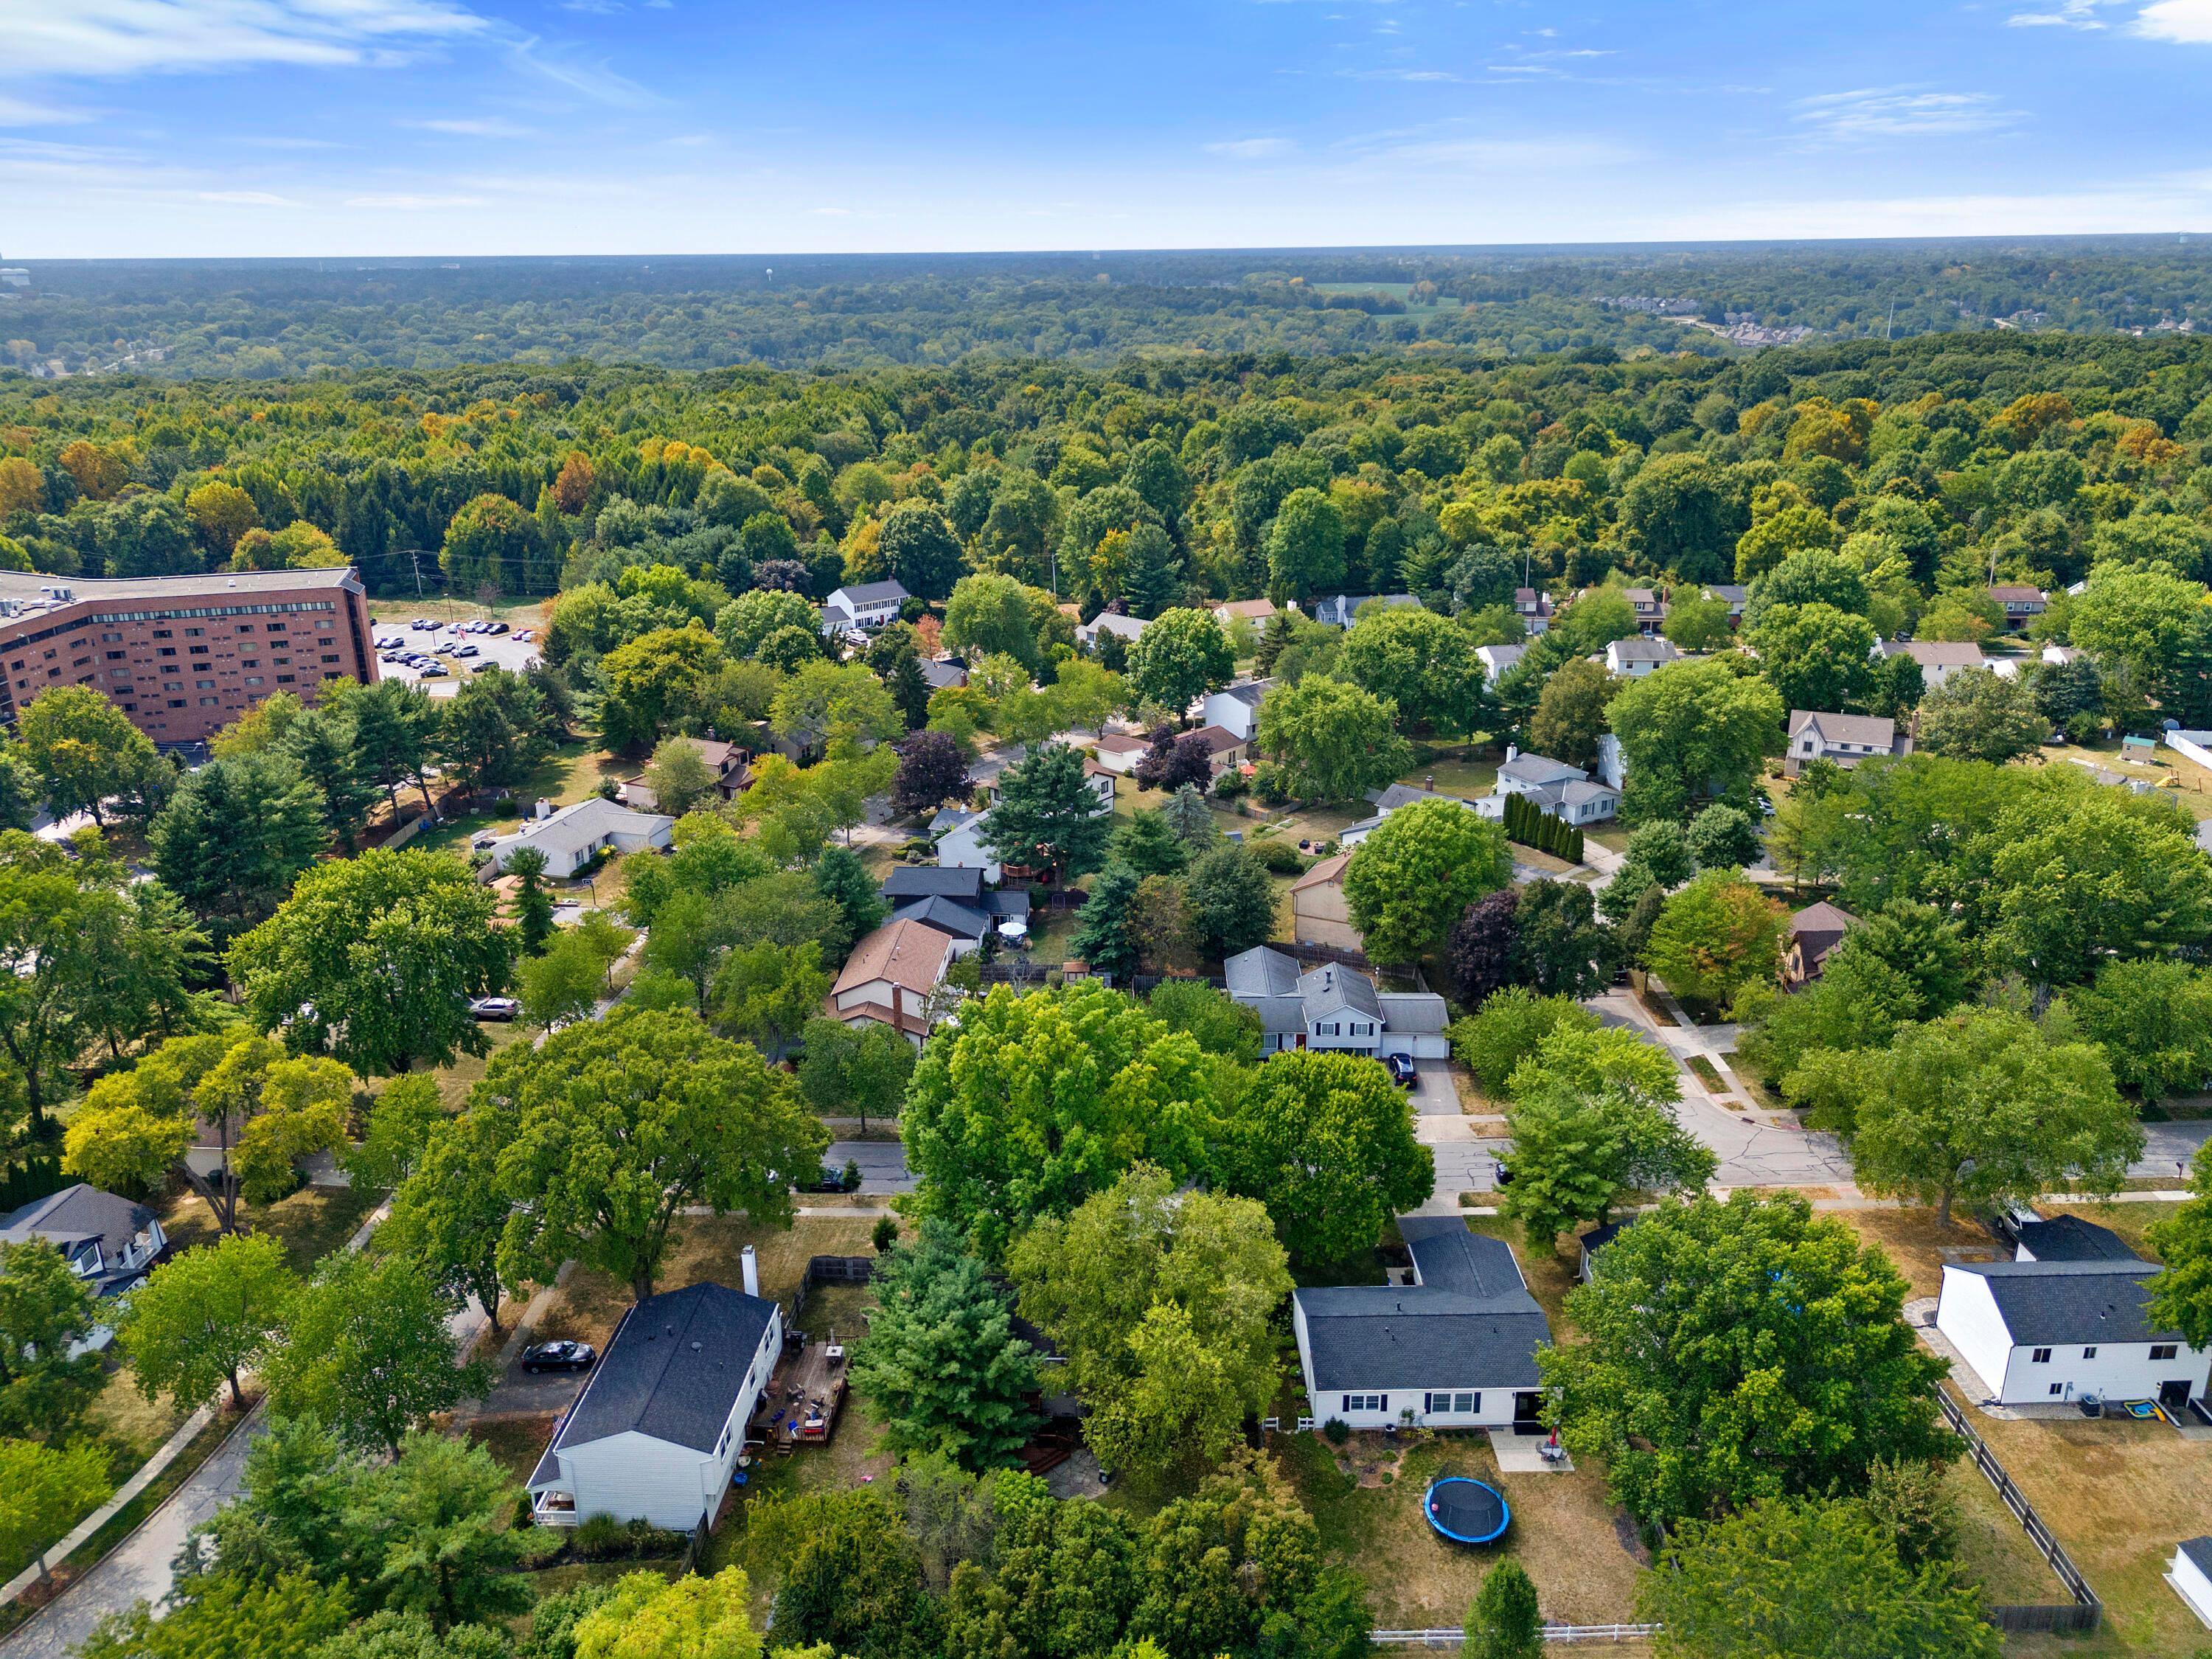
(883, 1165)
(502, 648)
(1433, 1095)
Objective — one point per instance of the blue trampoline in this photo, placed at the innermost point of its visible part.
(1466, 1511)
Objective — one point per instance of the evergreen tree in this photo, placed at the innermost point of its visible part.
(533, 905)
(1102, 937)
(1046, 816)
(1504, 1621)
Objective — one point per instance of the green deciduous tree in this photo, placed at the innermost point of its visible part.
(1305, 544)
(48, 1488)
(2181, 1294)
(1815, 656)
(1714, 935)
(450, 1215)
(1417, 872)
(82, 750)
(1794, 1579)
(1979, 714)
(1163, 1305)
(1503, 1622)
(1570, 716)
(1232, 902)
(374, 959)
(1593, 1117)
(1034, 1102)
(1331, 741)
(1325, 1142)
(1178, 658)
(1691, 730)
(648, 1617)
(45, 1307)
(368, 1350)
(567, 982)
(652, 684)
(206, 1316)
(493, 543)
(1985, 1106)
(1738, 1350)
(265, 1110)
(854, 1070)
(1509, 1027)
(621, 1124)
(2154, 1019)
(1421, 661)
(288, 1615)
(921, 549)
(941, 1362)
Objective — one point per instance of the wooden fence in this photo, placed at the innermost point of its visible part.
(829, 1270)
(2086, 1611)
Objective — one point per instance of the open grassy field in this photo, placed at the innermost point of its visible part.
(310, 1224)
(2173, 773)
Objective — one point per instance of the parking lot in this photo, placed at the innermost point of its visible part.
(503, 649)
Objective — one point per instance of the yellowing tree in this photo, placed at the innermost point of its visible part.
(650, 1618)
(221, 513)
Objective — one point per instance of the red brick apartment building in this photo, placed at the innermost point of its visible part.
(183, 656)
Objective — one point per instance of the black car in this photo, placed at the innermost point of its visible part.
(1401, 1068)
(559, 1356)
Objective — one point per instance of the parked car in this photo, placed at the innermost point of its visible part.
(524, 636)
(559, 1356)
(467, 651)
(422, 624)
(1400, 1067)
(495, 1008)
(434, 672)
(496, 627)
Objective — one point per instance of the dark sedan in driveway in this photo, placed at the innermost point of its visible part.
(559, 1356)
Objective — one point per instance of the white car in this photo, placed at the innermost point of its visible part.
(466, 651)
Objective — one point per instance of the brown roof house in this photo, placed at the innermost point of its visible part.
(725, 760)
(1812, 936)
(1319, 914)
(2018, 603)
(891, 977)
(1227, 748)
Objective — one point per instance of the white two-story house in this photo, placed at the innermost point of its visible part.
(865, 605)
(2068, 1321)
(1846, 739)
(661, 1420)
(1333, 1007)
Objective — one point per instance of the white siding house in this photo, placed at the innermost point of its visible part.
(1235, 708)
(661, 1420)
(868, 605)
(1333, 1008)
(2040, 1333)
(1455, 1349)
(574, 835)
(958, 834)
(2191, 1575)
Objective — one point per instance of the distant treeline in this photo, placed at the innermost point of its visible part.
(270, 319)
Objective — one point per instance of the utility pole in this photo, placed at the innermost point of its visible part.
(1886, 326)
(415, 558)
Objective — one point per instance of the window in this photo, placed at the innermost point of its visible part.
(2088, 1353)
(194, 633)
(197, 650)
(250, 662)
(168, 651)
(203, 685)
(286, 679)
(111, 639)
(1367, 1403)
(163, 633)
(117, 656)
(1458, 1404)
(2040, 1356)
(330, 656)
(176, 703)
(2058, 1387)
(253, 679)
(2163, 1350)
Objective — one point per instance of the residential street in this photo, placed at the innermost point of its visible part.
(883, 1165)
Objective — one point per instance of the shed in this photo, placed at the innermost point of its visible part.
(2191, 1575)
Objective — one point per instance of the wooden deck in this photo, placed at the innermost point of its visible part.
(803, 1399)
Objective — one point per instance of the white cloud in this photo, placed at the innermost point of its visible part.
(401, 201)
(2186, 21)
(135, 37)
(246, 197)
(1250, 150)
(1902, 113)
(488, 126)
(594, 81)
(25, 112)
(2067, 15)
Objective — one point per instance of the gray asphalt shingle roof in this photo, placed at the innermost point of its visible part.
(2069, 1302)
(1470, 1321)
(913, 881)
(2070, 1239)
(2199, 1551)
(674, 1368)
(947, 915)
(78, 1215)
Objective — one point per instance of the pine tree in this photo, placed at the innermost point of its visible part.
(1151, 580)
(1102, 932)
(533, 905)
(1273, 639)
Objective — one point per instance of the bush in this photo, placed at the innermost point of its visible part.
(1336, 1430)
(598, 1537)
(885, 1233)
(1231, 785)
(1276, 856)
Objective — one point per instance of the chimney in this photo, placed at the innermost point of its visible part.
(544, 809)
(1511, 754)
(751, 1271)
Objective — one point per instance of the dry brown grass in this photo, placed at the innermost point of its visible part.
(2119, 1494)
(310, 1224)
(707, 1248)
(1564, 1532)
(1913, 1240)
(134, 1425)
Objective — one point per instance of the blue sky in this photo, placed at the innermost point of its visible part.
(152, 128)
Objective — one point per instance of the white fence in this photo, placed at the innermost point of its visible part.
(1563, 1634)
